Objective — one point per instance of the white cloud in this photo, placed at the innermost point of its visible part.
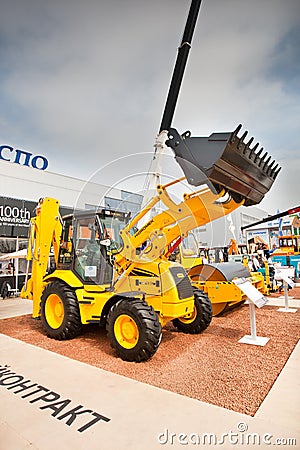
(85, 82)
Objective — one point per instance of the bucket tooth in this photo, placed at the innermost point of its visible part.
(225, 161)
(247, 147)
(241, 143)
(277, 172)
(266, 163)
(235, 133)
(262, 159)
(269, 169)
(254, 150)
(273, 170)
(257, 155)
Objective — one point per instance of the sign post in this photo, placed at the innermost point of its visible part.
(255, 299)
(284, 274)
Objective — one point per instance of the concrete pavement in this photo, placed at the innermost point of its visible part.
(14, 306)
(52, 401)
(48, 401)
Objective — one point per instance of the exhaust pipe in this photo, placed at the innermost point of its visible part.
(225, 161)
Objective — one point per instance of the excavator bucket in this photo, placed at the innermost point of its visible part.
(225, 161)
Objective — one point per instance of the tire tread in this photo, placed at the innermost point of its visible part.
(203, 317)
(148, 324)
(71, 326)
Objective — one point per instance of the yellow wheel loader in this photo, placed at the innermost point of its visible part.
(108, 276)
(109, 273)
(113, 272)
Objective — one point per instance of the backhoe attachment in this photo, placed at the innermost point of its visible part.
(225, 161)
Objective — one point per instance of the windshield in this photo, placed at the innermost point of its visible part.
(111, 230)
(190, 246)
(290, 241)
(285, 242)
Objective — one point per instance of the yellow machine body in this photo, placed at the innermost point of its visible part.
(140, 265)
(217, 281)
(131, 265)
(288, 245)
(160, 289)
(188, 259)
(45, 233)
(131, 286)
(185, 251)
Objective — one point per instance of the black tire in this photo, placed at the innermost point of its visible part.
(5, 290)
(144, 330)
(67, 323)
(199, 320)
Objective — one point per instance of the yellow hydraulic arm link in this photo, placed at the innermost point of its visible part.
(45, 232)
(151, 240)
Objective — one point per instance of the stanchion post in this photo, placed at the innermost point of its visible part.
(286, 294)
(255, 299)
(252, 320)
(286, 282)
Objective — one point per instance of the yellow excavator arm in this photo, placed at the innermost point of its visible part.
(152, 239)
(45, 234)
(222, 165)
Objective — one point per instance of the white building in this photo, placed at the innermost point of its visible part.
(219, 232)
(23, 183)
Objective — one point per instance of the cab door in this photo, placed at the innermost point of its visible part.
(90, 257)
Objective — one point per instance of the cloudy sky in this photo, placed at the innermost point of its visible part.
(84, 82)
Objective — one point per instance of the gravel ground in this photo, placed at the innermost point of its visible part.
(212, 367)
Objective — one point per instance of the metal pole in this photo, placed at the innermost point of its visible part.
(182, 56)
(252, 321)
(286, 295)
(17, 268)
(286, 299)
(153, 177)
(275, 216)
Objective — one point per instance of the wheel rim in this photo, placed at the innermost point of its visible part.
(189, 318)
(54, 311)
(126, 331)
(217, 308)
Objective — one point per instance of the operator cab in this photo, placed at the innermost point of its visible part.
(89, 241)
(289, 244)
